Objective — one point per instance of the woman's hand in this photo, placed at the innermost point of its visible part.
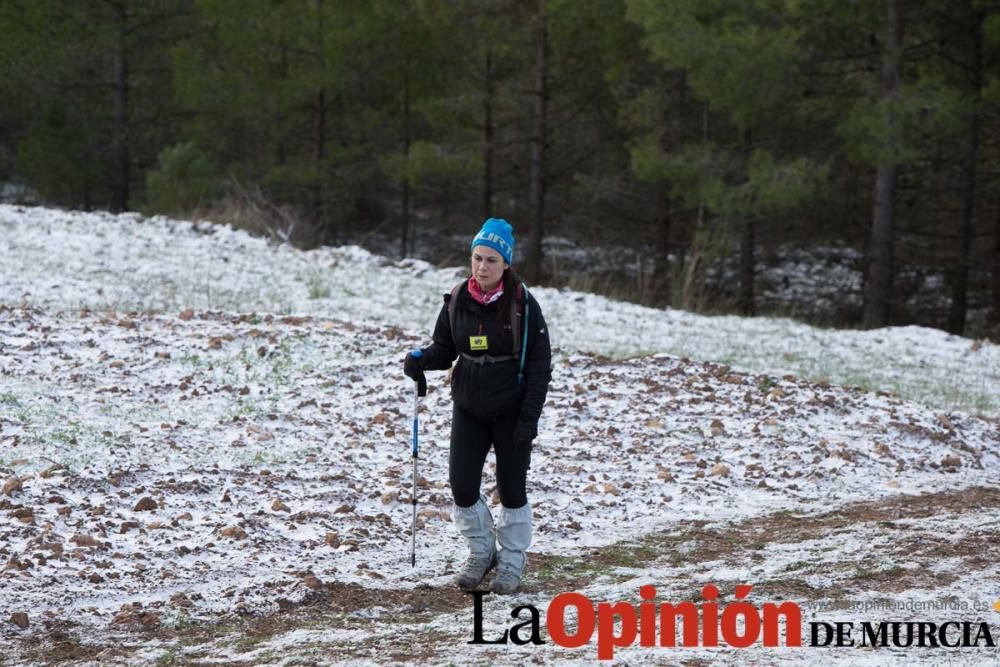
(413, 366)
(526, 432)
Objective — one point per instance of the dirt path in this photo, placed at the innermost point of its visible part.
(825, 565)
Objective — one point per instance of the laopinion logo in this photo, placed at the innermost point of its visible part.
(620, 624)
(572, 620)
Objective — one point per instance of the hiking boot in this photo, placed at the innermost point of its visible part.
(507, 580)
(514, 536)
(476, 526)
(475, 569)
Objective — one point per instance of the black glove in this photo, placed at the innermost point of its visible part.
(413, 367)
(525, 433)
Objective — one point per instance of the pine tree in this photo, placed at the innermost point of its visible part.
(743, 62)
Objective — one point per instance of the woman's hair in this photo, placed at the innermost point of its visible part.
(510, 282)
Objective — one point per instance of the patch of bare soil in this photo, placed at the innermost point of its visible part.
(899, 517)
(746, 542)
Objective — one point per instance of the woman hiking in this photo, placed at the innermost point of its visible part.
(495, 329)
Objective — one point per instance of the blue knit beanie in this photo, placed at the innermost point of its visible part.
(499, 235)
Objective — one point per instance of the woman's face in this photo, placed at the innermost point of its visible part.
(487, 267)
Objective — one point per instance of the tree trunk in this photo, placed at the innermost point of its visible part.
(319, 129)
(533, 263)
(488, 138)
(661, 283)
(878, 284)
(120, 133)
(995, 310)
(663, 273)
(406, 241)
(319, 138)
(960, 281)
(747, 240)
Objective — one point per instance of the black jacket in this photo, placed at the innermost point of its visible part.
(489, 390)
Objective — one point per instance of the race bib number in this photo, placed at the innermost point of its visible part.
(478, 343)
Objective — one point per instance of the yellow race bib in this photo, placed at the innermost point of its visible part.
(478, 343)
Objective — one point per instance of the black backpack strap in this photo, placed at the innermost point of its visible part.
(515, 331)
(523, 345)
(450, 299)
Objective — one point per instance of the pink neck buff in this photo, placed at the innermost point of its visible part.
(489, 297)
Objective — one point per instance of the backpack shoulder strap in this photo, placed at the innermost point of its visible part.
(451, 299)
(520, 333)
(516, 310)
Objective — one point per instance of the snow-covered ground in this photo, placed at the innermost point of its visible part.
(204, 447)
(64, 262)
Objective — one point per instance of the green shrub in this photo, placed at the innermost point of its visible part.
(184, 179)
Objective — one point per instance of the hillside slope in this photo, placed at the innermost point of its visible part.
(203, 485)
(68, 260)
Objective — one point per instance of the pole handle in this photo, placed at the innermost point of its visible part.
(422, 382)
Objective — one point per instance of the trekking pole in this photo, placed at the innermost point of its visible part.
(419, 389)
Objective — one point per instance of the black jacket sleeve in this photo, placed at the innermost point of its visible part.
(441, 353)
(537, 365)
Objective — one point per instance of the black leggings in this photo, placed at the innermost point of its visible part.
(471, 438)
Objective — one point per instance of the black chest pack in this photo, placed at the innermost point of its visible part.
(518, 332)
